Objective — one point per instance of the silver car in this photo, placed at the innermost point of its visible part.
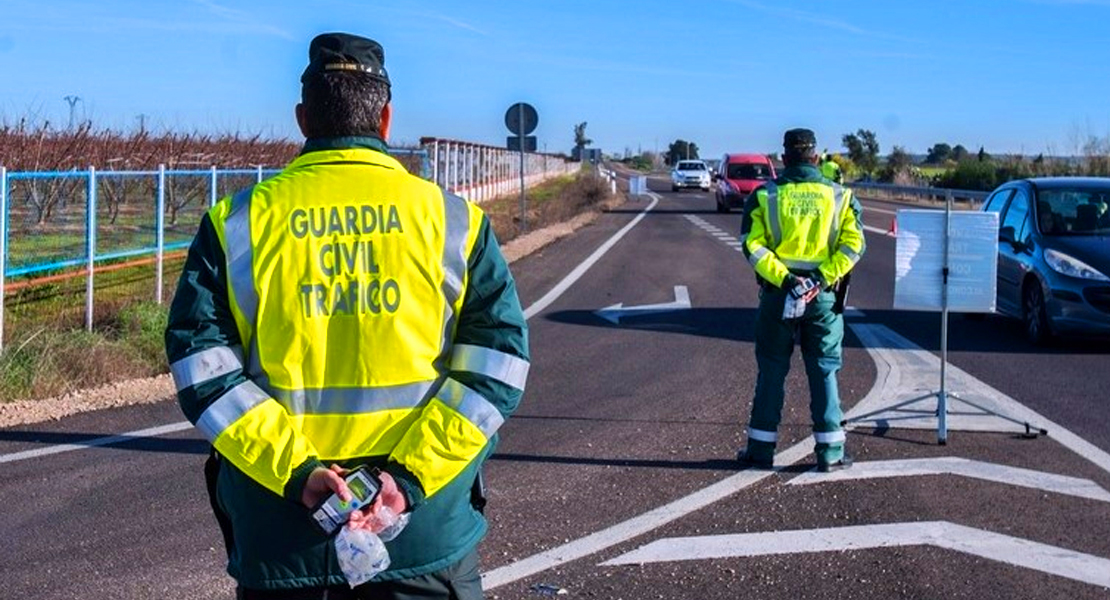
(688, 174)
(1054, 254)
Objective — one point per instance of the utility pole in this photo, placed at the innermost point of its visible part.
(142, 123)
(72, 100)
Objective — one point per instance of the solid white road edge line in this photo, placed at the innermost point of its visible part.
(102, 441)
(969, 540)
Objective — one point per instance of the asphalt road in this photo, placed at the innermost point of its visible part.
(615, 477)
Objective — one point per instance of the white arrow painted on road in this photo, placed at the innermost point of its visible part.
(1053, 560)
(951, 465)
(616, 312)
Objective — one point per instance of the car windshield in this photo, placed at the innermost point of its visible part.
(691, 166)
(1074, 211)
(748, 171)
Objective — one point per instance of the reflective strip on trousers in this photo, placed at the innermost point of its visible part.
(351, 401)
(472, 405)
(760, 435)
(506, 368)
(829, 437)
(229, 408)
(206, 365)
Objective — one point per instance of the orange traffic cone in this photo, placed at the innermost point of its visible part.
(893, 231)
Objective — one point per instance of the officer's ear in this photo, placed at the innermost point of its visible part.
(302, 120)
(387, 120)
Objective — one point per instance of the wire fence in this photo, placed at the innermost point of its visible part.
(76, 246)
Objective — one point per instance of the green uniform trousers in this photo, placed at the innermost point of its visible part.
(460, 581)
(820, 332)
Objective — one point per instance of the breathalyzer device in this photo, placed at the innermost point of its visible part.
(332, 513)
(803, 286)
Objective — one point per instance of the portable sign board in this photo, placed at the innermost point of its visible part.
(920, 260)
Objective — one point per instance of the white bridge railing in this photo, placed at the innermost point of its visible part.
(479, 172)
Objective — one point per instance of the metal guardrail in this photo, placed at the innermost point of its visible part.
(931, 194)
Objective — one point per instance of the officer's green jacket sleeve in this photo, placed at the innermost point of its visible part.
(850, 244)
(206, 360)
(757, 240)
(489, 359)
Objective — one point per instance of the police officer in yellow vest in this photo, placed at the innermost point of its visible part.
(346, 313)
(802, 234)
(831, 169)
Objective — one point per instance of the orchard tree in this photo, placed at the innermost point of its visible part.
(938, 154)
(959, 153)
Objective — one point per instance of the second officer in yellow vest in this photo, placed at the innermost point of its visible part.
(802, 234)
(346, 313)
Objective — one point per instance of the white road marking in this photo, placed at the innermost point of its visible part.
(1006, 549)
(876, 230)
(102, 441)
(581, 269)
(952, 465)
(904, 370)
(615, 312)
(639, 525)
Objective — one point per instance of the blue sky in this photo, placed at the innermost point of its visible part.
(1011, 75)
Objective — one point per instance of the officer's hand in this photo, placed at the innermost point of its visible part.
(322, 482)
(390, 497)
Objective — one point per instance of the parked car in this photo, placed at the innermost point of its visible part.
(739, 174)
(1054, 254)
(690, 174)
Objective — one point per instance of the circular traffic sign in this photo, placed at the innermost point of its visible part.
(521, 118)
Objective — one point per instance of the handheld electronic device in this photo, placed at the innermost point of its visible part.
(803, 286)
(332, 513)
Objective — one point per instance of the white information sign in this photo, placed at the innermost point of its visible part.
(972, 261)
(637, 185)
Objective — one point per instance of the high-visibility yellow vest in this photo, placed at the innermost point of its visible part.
(345, 277)
(803, 227)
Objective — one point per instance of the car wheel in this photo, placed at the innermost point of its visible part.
(722, 208)
(1035, 312)
(674, 188)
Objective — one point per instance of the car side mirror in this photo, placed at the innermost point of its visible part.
(1007, 234)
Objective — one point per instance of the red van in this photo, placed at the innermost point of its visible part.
(738, 175)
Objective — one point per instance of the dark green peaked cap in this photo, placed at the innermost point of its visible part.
(345, 52)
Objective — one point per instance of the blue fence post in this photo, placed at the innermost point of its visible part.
(259, 174)
(3, 245)
(213, 194)
(90, 246)
(160, 234)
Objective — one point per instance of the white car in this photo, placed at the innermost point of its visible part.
(690, 174)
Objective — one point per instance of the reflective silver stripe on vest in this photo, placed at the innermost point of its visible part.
(800, 265)
(229, 408)
(758, 255)
(851, 254)
(240, 251)
(506, 368)
(760, 435)
(838, 205)
(352, 401)
(206, 365)
(456, 228)
(829, 437)
(773, 214)
(471, 405)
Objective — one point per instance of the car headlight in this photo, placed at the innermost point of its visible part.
(1071, 266)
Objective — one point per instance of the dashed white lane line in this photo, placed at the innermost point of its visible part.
(952, 465)
(1006, 549)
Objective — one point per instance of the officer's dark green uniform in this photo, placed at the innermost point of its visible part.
(801, 225)
(346, 312)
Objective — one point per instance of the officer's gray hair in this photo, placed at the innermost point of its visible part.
(343, 103)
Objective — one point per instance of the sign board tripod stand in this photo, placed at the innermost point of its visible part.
(966, 281)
